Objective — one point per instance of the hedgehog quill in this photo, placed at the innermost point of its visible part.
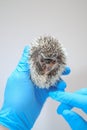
(47, 61)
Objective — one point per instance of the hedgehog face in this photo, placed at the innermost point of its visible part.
(47, 64)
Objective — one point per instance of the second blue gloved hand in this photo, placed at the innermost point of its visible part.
(70, 100)
(23, 100)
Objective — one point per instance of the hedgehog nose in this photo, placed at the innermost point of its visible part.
(48, 67)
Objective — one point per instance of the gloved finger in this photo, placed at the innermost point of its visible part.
(66, 71)
(63, 107)
(72, 99)
(75, 121)
(23, 64)
(61, 85)
(82, 91)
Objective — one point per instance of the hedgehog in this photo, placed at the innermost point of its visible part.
(47, 61)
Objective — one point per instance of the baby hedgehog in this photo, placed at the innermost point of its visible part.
(47, 61)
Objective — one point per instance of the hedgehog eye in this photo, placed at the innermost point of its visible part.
(42, 60)
(53, 61)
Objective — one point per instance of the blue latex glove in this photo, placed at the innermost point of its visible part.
(70, 100)
(23, 100)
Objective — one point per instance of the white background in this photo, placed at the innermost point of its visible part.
(23, 20)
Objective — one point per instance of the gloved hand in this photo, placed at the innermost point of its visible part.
(70, 100)
(23, 100)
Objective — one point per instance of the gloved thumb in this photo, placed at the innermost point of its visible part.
(63, 107)
(75, 121)
(66, 71)
(23, 64)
